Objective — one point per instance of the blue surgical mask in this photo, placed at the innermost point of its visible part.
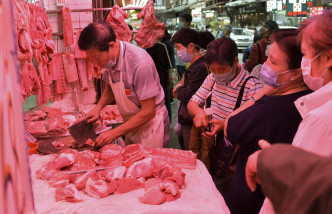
(270, 77)
(110, 64)
(181, 24)
(225, 77)
(184, 56)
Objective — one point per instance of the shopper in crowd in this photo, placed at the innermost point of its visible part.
(134, 84)
(246, 52)
(257, 53)
(296, 181)
(269, 115)
(209, 29)
(225, 81)
(187, 44)
(184, 22)
(226, 31)
(159, 54)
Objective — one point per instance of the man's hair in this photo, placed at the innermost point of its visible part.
(187, 17)
(286, 40)
(205, 38)
(228, 28)
(96, 35)
(272, 25)
(185, 36)
(222, 51)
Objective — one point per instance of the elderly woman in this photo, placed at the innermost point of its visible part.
(273, 117)
(187, 44)
(225, 81)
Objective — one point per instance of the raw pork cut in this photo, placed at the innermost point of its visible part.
(68, 193)
(150, 30)
(114, 173)
(78, 53)
(96, 187)
(34, 115)
(60, 83)
(52, 112)
(128, 184)
(153, 195)
(56, 126)
(141, 168)
(82, 69)
(36, 128)
(132, 153)
(59, 179)
(180, 158)
(81, 181)
(116, 18)
(83, 161)
(69, 66)
(68, 32)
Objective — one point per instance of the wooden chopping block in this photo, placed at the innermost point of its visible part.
(45, 146)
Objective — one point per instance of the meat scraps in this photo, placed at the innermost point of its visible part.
(68, 193)
(150, 30)
(116, 18)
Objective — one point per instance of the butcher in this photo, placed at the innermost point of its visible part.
(132, 82)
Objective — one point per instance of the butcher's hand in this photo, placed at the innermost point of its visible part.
(217, 125)
(251, 167)
(105, 138)
(92, 116)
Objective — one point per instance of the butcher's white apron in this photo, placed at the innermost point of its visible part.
(151, 134)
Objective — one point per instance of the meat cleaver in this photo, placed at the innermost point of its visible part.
(82, 131)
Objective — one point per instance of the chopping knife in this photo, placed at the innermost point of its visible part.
(82, 131)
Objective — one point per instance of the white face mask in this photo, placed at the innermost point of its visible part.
(210, 30)
(110, 64)
(314, 83)
(267, 51)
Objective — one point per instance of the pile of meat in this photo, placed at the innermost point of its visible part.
(110, 115)
(119, 170)
(47, 121)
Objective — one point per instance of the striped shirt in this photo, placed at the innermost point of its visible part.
(224, 95)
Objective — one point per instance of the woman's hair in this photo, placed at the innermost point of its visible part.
(222, 51)
(319, 30)
(205, 37)
(286, 40)
(96, 35)
(185, 36)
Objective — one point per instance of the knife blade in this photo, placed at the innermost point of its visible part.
(82, 131)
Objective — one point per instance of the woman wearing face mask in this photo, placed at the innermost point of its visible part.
(225, 81)
(186, 42)
(273, 117)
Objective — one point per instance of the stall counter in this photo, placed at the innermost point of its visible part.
(199, 196)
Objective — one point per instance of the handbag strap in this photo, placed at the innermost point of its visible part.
(239, 98)
(169, 60)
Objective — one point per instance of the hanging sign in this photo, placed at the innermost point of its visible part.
(298, 8)
(61, 2)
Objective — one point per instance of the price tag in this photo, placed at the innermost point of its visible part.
(61, 2)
